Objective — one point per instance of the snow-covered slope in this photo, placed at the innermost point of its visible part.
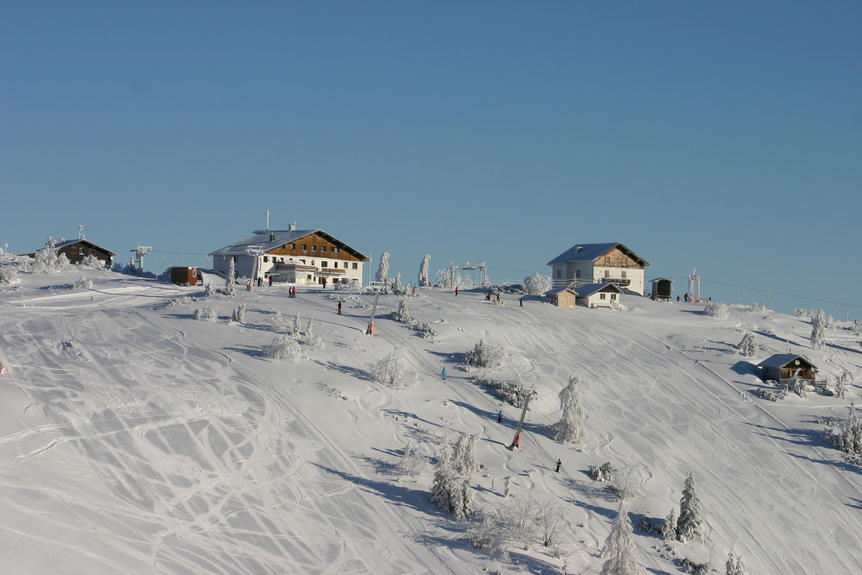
(136, 439)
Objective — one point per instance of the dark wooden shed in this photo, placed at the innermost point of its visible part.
(785, 365)
(662, 289)
(185, 276)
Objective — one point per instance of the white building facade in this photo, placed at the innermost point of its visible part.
(303, 257)
(596, 263)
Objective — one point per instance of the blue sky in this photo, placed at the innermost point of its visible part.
(722, 136)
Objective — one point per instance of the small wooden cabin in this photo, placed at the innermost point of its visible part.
(77, 250)
(785, 365)
(662, 289)
(563, 297)
(185, 276)
(599, 295)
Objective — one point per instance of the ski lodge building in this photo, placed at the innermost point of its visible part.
(584, 264)
(78, 249)
(304, 257)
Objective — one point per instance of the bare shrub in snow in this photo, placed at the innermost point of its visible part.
(758, 308)
(689, 526)
(846, 435)
(619, 548)
(537, 284)
(423, 271)
(412, 460)
(626, 483)
(229, 285)
(485, 354)
(733, 566)
(238, 314)
(283, 346)
(490, 533)
(206, 313)
(570, 429)
(383, 268)
(747, 346)
(392, 371)
(717, 310)
(83, 283)
(550, 522)
(818, 330)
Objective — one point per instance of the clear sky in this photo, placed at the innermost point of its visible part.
(722, 136)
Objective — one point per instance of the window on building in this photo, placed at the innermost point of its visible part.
(313, 247)
(335, 264)
(293, 247)
(613, 296)
(355, 266)
(265, 259)
(578, 274)
(281, 260)
(323, 248)
(194, 272)
(601, 296)
(302, 261)
(607, 274)
(624, 273)
(304, 247)
(324, 264)
(334, 249)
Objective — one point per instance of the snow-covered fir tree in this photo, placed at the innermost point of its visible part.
(206, 313)
(464, 456)
(383, 268)
(397, 288)
(537, 284)
(485, 354)
(818, 330)
(423, 270)
(733, 565)
(309, 329)
(689, 526)
(238, 314)
(668, 528)
(847, 436)
(230, 287)
(392, 371)
(570, 428)
(452, 493)
(403, 314)
(747, 347)
(297, 326)
(619, 549)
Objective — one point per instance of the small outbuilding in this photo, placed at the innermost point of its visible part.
(662, 289)
(563, 297)
(185, 276)
(598, 295)
(785, 366)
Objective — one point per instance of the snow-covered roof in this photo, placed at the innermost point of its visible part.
(83, 241)
(266, 240)
(592, 252)
(558, 291)
(590, 289)
(782, 359)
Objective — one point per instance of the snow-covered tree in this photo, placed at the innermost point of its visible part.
(209, 290)
(537, 284)
(464, 456)
(843, 382)
(733, 565)
(747, 346)
(444, 279)
(238, 314)
(397, 287)
(279, 323)
(403, 314)
(8, 276)
(297, 326)
(717, 310)
(689, 526)
(92, 262)
(818, 330)
(229, 286)
(309, 329)
(619, 549)
(206, 313)
(451, 493)
(668, 528)
(83, 283)
(392, 371)
(570, 428)
(383, 268)
(847, 435)
(284, 346)
(485, 354)
(411, 462)
(423, 270)
(47, 261)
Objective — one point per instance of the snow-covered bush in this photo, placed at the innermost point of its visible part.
(283, 346)
(846, 435)
(452, 493)
(602, 473)
(238, 314)
(747, 346)
(795, 385)
(230, 280)
(570, 429)
(392, 371)
(490, 533)
(818, 330)
(209, 290)
(297, 326)
(403, 314)
(733, 565)
(717, 310)
(443, 279)
(423, 271)
(83, 283)
(8, 276)
(206, 313)
(92, 262)
(485, 354)
(423, 327)
(537, 284)
(464, 455)
(758, 308)
(412, 460)
(46, 260)
(619, 548)
(843, 383)
(383, 268)
(279, 323)
(689, 526)
(514, 394)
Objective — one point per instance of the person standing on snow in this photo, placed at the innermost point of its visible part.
(444, 374)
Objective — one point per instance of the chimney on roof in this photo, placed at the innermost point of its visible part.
(272, 236)
(292, 227)
(267, 219)
(579, 249)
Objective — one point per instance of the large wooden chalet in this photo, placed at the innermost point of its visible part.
(292, 256)
(599, 263)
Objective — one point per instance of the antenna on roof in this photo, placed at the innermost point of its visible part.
(267, 219)
(81, 232)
